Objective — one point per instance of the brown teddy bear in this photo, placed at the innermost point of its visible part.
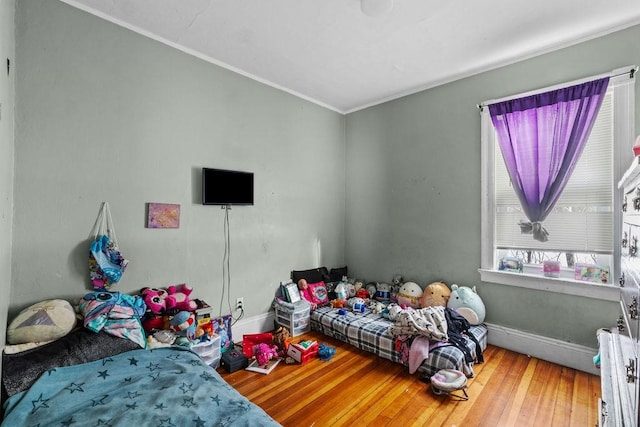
(281, 339)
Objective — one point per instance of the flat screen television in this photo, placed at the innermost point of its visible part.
(226, 187)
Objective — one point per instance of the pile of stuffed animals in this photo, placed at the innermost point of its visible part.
(170, 317)
(380, 297)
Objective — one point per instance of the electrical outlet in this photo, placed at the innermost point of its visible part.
(239, 304)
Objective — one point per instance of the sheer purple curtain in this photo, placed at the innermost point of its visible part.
(541, 138)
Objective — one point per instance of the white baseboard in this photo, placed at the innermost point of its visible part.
(550, 349)
(253, 325)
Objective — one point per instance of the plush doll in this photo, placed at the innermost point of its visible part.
(356, 304)
(383, 292)
(178, 298)
(396, 283)
(409, 294)
(435, 294)
(155, 299)
(376, 306)
(337, 303)
(468, 303)
(281, 338)
(184, 323)
(264, 352)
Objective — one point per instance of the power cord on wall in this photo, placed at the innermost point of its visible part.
(226, 270)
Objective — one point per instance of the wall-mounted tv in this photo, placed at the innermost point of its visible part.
(226, 187)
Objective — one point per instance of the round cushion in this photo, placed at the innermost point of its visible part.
(448, 380)
(44, 321)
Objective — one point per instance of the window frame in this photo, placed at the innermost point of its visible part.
(622, 81)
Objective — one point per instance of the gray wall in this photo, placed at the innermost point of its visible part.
(414, 177)
(104, 114)
(7, 101)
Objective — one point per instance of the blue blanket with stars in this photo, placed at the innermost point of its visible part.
(160, 387)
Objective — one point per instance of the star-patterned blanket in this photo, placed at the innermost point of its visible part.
(160, 387)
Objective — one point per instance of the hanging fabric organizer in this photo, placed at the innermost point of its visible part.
(106, 263)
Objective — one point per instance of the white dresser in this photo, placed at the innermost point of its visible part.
(619, 346)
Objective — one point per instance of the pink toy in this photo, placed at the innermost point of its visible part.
(178, 297)
(155, 299)
(264, 352)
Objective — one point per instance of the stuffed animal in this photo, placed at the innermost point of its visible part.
(178, 298)
(468, 303)
(264, 352)
(356, 304)
(337, 303)
(435, 294)
(376, 306)
(396, 283)
(409, 294)
(281, 338)
(383, 292)
(155, 299)
(184, 323)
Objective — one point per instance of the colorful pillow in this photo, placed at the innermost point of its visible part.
(319, 293)
(44, 321)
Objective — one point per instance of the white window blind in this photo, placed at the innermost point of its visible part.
(582, 220)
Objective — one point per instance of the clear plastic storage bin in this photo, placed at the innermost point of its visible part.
(209, 351)
(296, 321)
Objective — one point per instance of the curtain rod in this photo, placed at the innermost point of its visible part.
(615, 73)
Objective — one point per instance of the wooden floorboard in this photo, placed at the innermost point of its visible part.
(356, 388)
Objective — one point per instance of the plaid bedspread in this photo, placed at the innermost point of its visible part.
(368, 331)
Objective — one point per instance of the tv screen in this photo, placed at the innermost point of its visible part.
(225, 187)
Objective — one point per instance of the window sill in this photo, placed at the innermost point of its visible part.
(550, 284)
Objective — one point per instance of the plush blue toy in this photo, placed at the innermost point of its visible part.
(184, 323)
(468, 303)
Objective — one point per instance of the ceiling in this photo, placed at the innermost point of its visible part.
(331, 53)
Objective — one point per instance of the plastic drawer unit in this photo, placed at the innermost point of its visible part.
(296, 320)
(209, 351)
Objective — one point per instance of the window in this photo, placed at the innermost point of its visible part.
(584, 225)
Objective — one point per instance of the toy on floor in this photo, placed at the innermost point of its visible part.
(281, 338)
(264, 352)
(325, 352)
(448, 381)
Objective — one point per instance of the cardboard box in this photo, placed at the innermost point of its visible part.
(303, 352)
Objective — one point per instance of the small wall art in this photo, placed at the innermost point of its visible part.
(163, 215)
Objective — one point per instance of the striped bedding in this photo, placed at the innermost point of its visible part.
(368, 331)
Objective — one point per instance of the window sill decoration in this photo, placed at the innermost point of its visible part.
(560, 285)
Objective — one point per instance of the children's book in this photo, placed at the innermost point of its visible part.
(263, 369)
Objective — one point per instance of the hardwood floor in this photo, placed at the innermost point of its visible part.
(356, 388)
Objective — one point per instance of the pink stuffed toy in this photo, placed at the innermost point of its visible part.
(178, 297)
(155, 299)
(264, 352)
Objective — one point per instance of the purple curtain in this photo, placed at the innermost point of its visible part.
(541, 138)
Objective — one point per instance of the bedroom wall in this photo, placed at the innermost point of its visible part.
(414, 178)
(103, 114)
(7, 101)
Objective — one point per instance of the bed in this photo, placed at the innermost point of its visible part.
(98, 379)
(368, 331)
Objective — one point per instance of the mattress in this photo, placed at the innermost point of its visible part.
(368, 331)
